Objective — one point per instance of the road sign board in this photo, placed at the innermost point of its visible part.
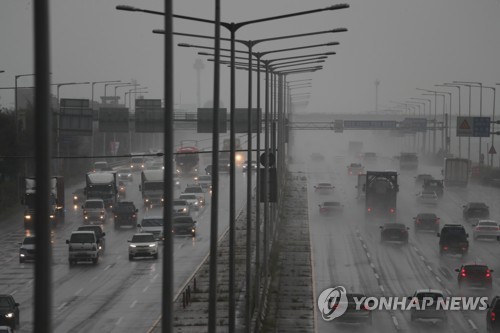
(473, 126)
(149, 115)
(205, 120)
(113, 119)
(241, 120)
(369, 124)
(414, 124)
(481, 127)
(75, 117)
(492, 150)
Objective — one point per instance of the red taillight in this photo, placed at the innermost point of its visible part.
(363, 307)
(437, 221)
(445, 248)
(392, 210)
(369, 209)
(418, 221)
(488, 273)
(462, 273)
(350, 172)
(493, 315)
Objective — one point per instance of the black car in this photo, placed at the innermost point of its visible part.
(125, 213)
(475, 211)
(98, 233)
(434, 185)
(394, 232)
(474, 275)
(453, 240)
(492, 322)
(353, 314)
(426, 221)
(421, 178)
(79, 197)
(27, 249)
(9, 311)
(183, 225)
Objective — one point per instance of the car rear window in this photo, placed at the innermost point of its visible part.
(152, 223)
(488, 224)
(180, 202)
(143, 238)
(426, 216)
(434, 296)
(476, 268)
(82, 238)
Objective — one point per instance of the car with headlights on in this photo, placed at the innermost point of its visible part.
(6, 329)
(355, 169)
(427, 198)
(94, 211)
(125, 174)
(205, 181)
(27, 249)
(192, 200)
(353, 314)
(125, 213)
(184, 225)
(492, 322)
(177, 181)
(253, 166)
(78, 197)
(394, 232)
(474, 275)
(198, 191)
(181, 207)
(426, 221)
(9, 311)
(143, 245)
(486, 229)
(330, 207)
(101, 240)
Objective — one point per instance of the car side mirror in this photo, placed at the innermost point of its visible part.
(67, 241)
(457, 270)
(407, 228)
(381, 227)
(319, 206)
(104, 234)
(129, 240)
(438, 234)
(474, 225)
(136, 210)
(463, 206)
(138, 226)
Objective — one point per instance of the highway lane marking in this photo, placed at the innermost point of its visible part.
(429, 267)
(372, 265)
(376, 276)
(78, 291)
(368, 254)
(30, 281)
(395, 321)
(119, 321)
(118, 257)
(107, 267)
(145, 289)
(133, 304)
(422, 258)
(14, 292)
(471, 323)
(437, 278)
(154, 277)
(364, 246)
(382, 288)
(180, 245)
(61, 306)
(93, 279)
(447, 291)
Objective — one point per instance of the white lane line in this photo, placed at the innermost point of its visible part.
(382, 288)
(368, 254)
(133, 304)
(61, 306)
(395, 321)
(107, 267)
(422, 258)
(118, 258)
(372, 265)
(93, 279)
(154, 277)
(376, 276)
(119, 321)
(78, 291)
(474, 327)
(364, 246)
(437, 278)
(145, 289)
(429, 268)
(30, 281)
(448, 291)
(14, 292)
(360, 238)
(180, 245)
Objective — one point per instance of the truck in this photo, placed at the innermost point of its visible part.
(102, 185)
(226, 146)
(408, 161)
(186, 160)
(456, 172)
(56, 201)
(381, 191)
(361, 186)
(152, 186)
(355, 147)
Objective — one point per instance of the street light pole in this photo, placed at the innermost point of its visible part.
(492, 129)
(449, 85)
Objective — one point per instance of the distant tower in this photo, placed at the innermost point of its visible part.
(198, 66)
(377, 82)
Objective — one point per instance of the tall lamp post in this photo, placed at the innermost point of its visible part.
(443, 125)
(481, 159)
(449, 85)
(492, 128)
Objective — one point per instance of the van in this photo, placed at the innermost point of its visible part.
(94, 211)
(83, 247)
(152, 225)
(137, 163)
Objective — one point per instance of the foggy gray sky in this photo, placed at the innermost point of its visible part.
(403, 43)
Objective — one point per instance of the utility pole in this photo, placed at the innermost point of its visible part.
(198, 66)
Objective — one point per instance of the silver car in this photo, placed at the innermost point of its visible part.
(432, 311)
(486, 229)
(143, 245)
(427, 198)
(152, 225)
(181, 207)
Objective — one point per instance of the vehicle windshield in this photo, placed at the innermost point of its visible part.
(193, 190)
(94, 204)
(152, 223)
(204, 178)
(180, 202)
(434, 296)
(137, 160)
(153, 186)
(143, 239)
(183, 220)
(188, 196)
(477, 212)
(476, 268)
(29, 240)
(331, 204)
(124, 171)
(82, 238)
(4, 302)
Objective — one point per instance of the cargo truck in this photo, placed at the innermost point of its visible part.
(102, 185)
(56, 201)
(381, 191)
(152, 187)
(456, 172)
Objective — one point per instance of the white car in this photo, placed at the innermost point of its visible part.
(324, 188)
(486, 229)
(205, 181)
(431, 311)
(143, 245)
(192, 200)
(181, 207)
(427, 198)
(152, 225)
